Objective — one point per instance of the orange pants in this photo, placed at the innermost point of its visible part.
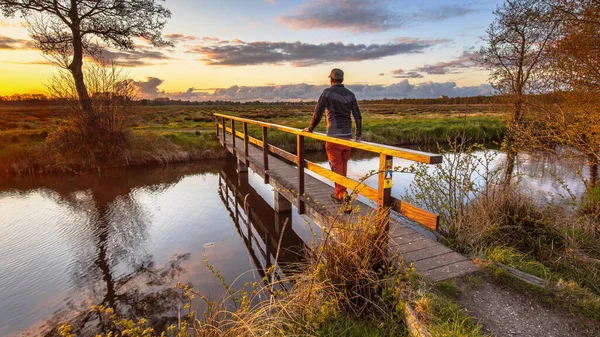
(338, 156)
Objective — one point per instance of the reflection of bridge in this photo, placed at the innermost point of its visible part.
(286, 173)
(259, 225)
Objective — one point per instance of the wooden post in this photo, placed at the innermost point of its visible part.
(300, 154)
(241, 166)
(384, 185)
(216, 119)
(265, 153)
(245, 125)
(223, 131)
(233, 136)
(280, 203)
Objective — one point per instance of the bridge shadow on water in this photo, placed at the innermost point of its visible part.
(268, 235)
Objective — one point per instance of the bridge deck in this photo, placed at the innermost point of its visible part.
(431, 258)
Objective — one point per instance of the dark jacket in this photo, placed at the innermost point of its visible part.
(339, 103)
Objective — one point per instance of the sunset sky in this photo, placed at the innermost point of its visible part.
(283, 50)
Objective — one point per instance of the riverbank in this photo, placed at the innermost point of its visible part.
(554, 237)
(167, 134)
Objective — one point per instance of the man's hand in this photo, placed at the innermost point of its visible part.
(306, 130)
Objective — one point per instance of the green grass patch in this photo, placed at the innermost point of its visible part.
(342, 326)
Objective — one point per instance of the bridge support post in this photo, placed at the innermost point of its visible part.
(281, 203)
(283, 218)
(384, 185)
(265, 140)
(241, 166)
(223, 131)
(300, 154)
(233, 135)
(246, 140)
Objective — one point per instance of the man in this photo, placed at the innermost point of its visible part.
(339, 104)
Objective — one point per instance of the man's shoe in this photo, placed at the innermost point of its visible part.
(336, 200)
(346, 206)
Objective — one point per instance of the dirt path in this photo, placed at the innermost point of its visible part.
(505, 312)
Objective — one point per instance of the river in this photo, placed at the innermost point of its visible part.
(126, 236)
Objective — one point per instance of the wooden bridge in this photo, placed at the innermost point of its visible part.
(292, 184)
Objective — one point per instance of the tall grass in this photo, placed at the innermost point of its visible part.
(480, 215)
(345, 287)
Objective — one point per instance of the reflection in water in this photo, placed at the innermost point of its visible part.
(112, 268)
(544, 176)
(108, 241)
(268, 235)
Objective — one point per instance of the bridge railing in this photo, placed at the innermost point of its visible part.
(382, 195)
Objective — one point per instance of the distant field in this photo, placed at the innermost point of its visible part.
(173, 133)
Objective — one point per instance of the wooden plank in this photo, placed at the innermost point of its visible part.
(360, 188)
(438, 261)
(414, 325)
(411, 237)
(451, 271)
(415, 213)
(425, 253)
(412, 246)
(400, 231)
(419, 156)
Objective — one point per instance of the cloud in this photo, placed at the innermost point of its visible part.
(400, 73)
(357, 16)
(8, 43)
(149, 88)
(37, 63)
(177, 37)
(134, 58)
(467, 60)
(6, 24)
(444, 12)
(364, 16)
(404, 89)
(299, 54)
(303, 91)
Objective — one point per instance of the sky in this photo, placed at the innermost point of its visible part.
(284, 49)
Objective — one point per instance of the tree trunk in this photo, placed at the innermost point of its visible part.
(513, 128)
(76, 68)
(593, 166)
(510, 166)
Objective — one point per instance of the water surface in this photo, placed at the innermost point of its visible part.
(124, 237)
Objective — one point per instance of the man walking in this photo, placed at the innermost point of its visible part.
(339, 104)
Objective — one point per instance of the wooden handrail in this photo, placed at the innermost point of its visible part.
(381, 195)
(418, 156)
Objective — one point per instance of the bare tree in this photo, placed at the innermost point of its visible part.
(517, 40)
(111, 95)
(66, 30)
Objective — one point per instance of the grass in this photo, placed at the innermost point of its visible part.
(508, 226)
(187, 130)
(435, 305)
(344, 326)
